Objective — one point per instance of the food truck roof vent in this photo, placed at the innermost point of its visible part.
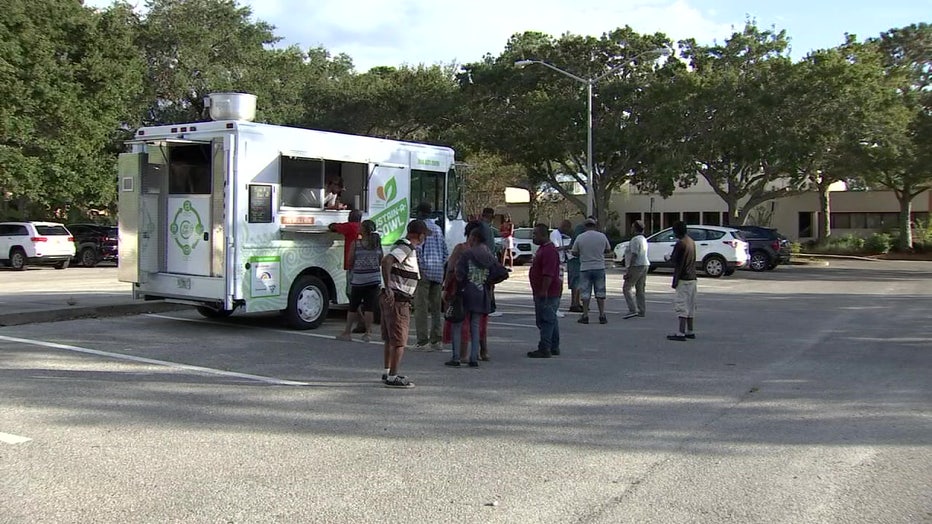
(231, 106)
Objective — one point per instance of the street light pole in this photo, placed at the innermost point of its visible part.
(590, 83)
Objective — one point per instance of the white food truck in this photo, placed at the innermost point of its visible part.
(230, 214)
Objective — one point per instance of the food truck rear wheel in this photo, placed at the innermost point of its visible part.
(308, 303)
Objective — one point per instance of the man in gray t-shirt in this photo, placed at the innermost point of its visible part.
(590, 247)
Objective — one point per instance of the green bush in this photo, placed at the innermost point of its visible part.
(848, 244)
(795, 248)
(878, 244)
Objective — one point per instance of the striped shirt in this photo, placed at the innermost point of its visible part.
(405, 274)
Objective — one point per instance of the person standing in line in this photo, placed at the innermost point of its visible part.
(400, 274)
(456, 333)
(473, 271)
(572, 272)
(636, 266)
(508, 242)
(365, 264)
(431, 256)
(561, 240)
(591, 247)
(350, 232)
(546, 288)
(684, 282)
(487, 215)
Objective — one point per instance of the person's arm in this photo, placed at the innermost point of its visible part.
(677, 258)
(386, 266)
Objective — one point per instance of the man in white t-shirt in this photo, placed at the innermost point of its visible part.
(560, 238)
(636, 264)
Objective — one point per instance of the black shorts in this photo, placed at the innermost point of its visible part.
(367, 296)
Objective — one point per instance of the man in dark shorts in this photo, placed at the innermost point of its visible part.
(400, 274)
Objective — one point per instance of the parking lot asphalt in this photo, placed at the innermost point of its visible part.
(805, 399)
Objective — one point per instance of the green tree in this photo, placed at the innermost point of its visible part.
(835, 94)
(69, 77)
(197, 47)
(898, 149)
(538, 118)
(736, 113)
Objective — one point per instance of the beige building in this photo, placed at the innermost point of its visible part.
(797, 217)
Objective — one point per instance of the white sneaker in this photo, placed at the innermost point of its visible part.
(423, 347)
(436, 346)
(496, 314)
(560, 314)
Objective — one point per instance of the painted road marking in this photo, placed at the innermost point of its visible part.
(173, 365)
(7, 438)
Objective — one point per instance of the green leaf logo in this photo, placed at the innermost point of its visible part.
(390, 190)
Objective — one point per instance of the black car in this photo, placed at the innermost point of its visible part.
(767, 247)
(94, 243)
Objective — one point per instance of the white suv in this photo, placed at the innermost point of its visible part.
(719, 250)
(35, 243)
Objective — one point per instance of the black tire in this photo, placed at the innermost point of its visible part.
(18, 259)
(89, 257)
(714, 266)
(209, 312)
(308, 303)
(760, 261)
(62, 265)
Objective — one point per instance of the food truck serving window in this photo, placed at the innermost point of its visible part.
(302, 182)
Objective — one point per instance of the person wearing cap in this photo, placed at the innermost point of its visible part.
(591, 247)
(400, 274)
(636, 266)
(431, 257)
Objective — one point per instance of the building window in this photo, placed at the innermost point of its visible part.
(711, 218)
(840, 221)
(805, 224)
(691, 218)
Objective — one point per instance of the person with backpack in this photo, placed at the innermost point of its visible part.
(400, 274)
(365, 259)
(477, 270)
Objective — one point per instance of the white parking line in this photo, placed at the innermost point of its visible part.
(173, 365)
(7, 438)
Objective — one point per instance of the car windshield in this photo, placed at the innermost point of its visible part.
(52, 230)
(524, 234)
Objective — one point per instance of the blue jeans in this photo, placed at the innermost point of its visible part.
(457, 332)
(545, 314)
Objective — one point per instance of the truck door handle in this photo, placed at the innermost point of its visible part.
(206, 236)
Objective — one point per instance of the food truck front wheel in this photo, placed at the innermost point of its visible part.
(308, 303)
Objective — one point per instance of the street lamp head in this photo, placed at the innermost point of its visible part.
(523, 63)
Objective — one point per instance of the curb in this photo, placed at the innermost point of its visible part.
(840, 257)
(117, 310)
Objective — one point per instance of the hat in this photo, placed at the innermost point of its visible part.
(418, 227)
(591, 222)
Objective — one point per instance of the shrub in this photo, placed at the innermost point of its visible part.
(843, 245)
(878, 243)
(795, 248)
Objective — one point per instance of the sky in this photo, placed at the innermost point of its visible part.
(397, 32)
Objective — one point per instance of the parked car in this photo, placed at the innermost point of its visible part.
(768, 248)
(719, 250)
(95, 243)
(525, 247)
(35, 243)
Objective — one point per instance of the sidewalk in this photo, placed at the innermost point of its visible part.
(49, 295)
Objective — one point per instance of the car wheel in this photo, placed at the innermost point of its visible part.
(714, 266)
(63, 264)
(759, 261)
(18, 259)
(88, 257)
(209, 312)
(308, 303)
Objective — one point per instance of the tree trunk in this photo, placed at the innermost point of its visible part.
(825, 206)
(906, 234)
(734, 212)
(532, 205)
